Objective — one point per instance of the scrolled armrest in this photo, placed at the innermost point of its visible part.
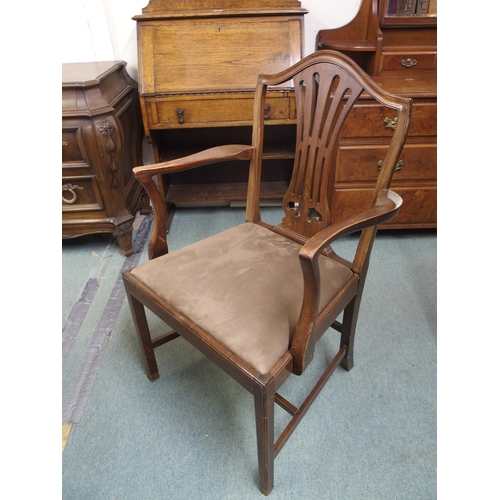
(386, 207)
(158, 240)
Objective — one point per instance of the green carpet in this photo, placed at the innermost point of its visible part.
(371, 433)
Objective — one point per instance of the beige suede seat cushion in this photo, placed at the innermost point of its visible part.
(243, 286)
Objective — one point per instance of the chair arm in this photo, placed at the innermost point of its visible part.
(212, 155)
(158, 240)
(386, 207)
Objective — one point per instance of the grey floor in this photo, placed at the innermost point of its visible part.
(371, 433)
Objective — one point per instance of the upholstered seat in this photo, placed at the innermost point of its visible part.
(253, 305)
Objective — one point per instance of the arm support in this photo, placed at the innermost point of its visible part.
(158, 240)
(387, 206)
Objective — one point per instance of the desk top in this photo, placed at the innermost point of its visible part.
(85, 74)
(93, 88)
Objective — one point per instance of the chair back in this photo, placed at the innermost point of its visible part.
(327, 85)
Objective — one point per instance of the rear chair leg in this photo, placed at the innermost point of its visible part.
(142, 330)
(264, 418)
(349, 322)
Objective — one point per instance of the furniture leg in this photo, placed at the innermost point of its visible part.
(145, 204)
(123, 235)
(144, 335)
(264, 418)
(348, 331)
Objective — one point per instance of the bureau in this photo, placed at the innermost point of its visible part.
(400, 53)
(198, 67)
(101, 143)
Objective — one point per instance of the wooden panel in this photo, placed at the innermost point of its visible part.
(214, 55)
(419, 205)
(200, 193)
(368, 120)
(360, 163)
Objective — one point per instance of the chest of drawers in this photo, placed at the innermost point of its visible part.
(400, 53)
(101, 143)
(363, 146)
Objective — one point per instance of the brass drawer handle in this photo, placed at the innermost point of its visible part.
(267, 108)
(399, 165)
(409, 62)
(71, 188)
(391, 122)
(180, 114)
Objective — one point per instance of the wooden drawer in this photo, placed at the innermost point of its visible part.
(211, 111)
(399, 61)
(81, 193)
(372, 120)
(419, 205)
(73, 150)
(361, 163)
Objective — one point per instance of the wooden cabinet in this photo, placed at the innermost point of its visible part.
(198, 67)
(400, 52)
(101, 143)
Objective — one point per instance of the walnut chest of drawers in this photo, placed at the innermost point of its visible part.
(400, 53)
(367, 133)
(101, 143)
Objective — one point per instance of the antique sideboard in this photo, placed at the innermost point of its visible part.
(198, 67)
(101, 143)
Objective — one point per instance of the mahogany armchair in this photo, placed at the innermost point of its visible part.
(255, 299)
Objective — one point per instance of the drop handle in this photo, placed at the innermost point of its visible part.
(399, 165)
(180, 115)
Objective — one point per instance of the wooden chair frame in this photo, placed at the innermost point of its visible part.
(314, 234)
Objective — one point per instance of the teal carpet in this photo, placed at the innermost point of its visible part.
(371, 433)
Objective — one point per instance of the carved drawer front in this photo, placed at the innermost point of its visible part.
(73, 150)
(373, 120)
(396, 62)
(80, 193)
(211, 111)
(362, 163)
(419, 204)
